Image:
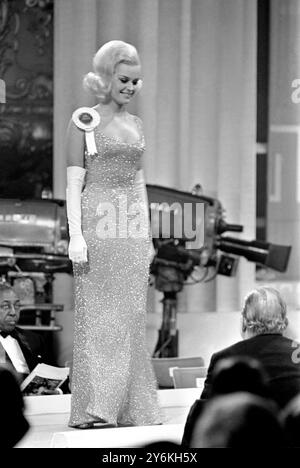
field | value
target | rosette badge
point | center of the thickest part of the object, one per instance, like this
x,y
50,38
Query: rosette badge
x,y
86,118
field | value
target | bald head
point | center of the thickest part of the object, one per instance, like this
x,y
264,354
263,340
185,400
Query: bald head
x,y
9,308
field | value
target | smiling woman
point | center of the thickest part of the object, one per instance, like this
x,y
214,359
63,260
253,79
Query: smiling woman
x,y
124,81
112,381
124,85
106,62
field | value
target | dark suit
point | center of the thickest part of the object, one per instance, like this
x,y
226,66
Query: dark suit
x,y
35,352
32,346
278,355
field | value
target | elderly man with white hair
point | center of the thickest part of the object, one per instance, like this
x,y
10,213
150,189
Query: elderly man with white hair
x,y
264,320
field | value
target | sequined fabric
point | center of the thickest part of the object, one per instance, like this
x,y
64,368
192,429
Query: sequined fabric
x,y
112,377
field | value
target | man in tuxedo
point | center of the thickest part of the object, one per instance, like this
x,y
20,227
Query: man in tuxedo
x,y
20,349
263,323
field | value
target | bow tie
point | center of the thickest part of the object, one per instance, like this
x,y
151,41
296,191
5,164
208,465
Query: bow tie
x,y
5,334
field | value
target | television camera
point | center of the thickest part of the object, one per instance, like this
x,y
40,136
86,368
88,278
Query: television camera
x,y
33,248
176,264
34,241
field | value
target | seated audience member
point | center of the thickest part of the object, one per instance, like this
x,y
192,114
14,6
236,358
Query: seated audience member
x,y
238,420
20,349
263,322
192,419
290,418
239,374
236,374
13,423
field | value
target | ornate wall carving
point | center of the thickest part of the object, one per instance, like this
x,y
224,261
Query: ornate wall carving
x,y
26,66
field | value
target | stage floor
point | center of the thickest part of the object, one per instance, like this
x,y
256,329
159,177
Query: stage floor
x,y
48,417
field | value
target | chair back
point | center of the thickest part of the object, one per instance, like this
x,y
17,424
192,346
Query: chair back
x,y
189,377
163,368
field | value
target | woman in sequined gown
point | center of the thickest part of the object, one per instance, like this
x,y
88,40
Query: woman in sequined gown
x,y
112,378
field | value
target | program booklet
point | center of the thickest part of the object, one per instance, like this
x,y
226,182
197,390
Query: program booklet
x,y
43,375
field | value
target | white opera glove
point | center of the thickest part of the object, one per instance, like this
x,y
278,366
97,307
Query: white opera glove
x,y
142,191
77,245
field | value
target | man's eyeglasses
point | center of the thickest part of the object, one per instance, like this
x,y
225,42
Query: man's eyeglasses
x,y
7,306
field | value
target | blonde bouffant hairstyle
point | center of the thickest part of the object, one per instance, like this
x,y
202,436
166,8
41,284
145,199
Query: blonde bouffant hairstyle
x,y
105,62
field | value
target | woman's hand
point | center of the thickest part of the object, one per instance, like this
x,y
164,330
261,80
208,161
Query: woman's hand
x,y
77,249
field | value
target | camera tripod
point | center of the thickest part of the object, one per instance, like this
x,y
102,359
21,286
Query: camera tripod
x,y
167,344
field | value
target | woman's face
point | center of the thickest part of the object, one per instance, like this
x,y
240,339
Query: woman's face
x,y
125,82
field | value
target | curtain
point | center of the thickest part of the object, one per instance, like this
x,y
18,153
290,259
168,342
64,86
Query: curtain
x,y
198,104
283,222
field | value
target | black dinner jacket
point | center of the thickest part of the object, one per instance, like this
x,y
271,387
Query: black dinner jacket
x,y
32,346
280,357
35,352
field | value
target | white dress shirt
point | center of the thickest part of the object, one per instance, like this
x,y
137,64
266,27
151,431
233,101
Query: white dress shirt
x,y
15,354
